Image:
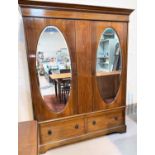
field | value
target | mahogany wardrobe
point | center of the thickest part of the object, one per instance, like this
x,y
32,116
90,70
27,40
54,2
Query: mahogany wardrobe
x,y
77,60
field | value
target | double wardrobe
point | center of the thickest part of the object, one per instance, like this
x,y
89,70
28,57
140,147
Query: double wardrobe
x,y
77,60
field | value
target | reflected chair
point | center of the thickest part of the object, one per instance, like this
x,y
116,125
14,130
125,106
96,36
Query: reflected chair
x,y
64,86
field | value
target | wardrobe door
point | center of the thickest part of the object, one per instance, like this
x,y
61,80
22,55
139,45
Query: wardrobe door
x,y
109,64
84,60
64,31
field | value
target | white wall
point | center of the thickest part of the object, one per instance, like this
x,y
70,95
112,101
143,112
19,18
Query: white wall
x,y
51,43
25,106
24,95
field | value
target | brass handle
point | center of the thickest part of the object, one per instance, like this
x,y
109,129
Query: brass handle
x,y
76,126
94,122
49,132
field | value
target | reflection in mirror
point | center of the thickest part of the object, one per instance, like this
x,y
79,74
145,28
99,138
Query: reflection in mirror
x,y
54,68
108,65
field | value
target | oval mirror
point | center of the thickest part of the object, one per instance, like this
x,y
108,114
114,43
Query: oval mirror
x,y
53,66
108,65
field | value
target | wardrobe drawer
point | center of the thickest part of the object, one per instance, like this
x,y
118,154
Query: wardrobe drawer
x,y
105,120
58,130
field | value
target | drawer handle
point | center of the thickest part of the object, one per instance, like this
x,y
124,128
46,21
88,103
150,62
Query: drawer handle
x,y
116,118
49,132
94,122
76,126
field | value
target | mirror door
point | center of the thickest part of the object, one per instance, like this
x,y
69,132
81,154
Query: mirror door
x,y
108,67
53,65
51,54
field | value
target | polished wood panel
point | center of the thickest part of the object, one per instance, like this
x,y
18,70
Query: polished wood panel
x,y
120,29
59,130
33,28
105,120
83,49
27,138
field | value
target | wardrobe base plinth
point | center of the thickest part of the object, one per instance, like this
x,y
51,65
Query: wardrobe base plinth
x,y
45,147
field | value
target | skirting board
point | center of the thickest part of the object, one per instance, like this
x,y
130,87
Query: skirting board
x,y
131,109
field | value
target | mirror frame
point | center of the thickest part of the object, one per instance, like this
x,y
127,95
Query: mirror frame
x,y
121,54
43,30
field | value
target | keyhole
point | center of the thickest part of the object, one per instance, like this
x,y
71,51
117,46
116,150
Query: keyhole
x,y
49,132
94,122
76,126
116,118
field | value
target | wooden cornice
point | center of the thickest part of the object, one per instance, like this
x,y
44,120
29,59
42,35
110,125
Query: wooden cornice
x,y
73,7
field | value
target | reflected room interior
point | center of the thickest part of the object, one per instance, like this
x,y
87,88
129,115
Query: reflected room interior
x,y
108,65
54,68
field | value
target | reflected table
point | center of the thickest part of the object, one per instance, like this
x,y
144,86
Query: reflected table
x,y
57,78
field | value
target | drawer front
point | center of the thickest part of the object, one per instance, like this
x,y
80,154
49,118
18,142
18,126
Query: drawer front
x,y
58,130
105,120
